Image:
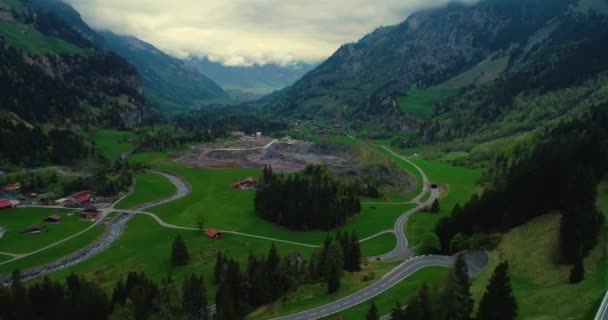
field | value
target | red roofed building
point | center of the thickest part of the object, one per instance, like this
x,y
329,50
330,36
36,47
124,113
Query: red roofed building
x,y
213,234
5,204
82,196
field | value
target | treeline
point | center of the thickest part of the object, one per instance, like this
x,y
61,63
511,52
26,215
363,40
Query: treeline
x,y
109,178
136,298
307,200
560,174
269,278
453,301
168,137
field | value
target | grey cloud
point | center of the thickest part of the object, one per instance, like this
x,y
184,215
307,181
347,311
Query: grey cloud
x,y
243,32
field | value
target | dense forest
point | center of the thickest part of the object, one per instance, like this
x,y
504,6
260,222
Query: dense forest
x,y
266,279
136,298
560,174
308,200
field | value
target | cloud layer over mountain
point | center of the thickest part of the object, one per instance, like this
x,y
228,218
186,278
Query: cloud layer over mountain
x,y
244,32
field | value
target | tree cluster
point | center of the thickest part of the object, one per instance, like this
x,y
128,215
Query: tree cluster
x,y
137,298
560,174
337,254
308,200
264,280
453,300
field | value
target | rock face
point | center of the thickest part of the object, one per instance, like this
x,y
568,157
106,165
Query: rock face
x,y
361,80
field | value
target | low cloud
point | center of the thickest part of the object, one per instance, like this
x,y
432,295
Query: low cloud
x,y
245,32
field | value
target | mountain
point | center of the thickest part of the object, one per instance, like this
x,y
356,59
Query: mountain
x,y
392,78
250,81
169,83
55,84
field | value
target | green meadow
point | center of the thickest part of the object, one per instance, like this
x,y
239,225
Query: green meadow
x,y
399,294
29,39
4,258
113,143
458,186
419,103
540,285
17,219
148,187
146,246
54,252
378,245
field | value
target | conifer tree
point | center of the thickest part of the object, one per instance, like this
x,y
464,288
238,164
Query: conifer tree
x,y
333,279
456,301
179,252
498,302
219,268
194,298
372,314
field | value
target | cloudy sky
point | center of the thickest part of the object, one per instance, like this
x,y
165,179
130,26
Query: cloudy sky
x,y
243,32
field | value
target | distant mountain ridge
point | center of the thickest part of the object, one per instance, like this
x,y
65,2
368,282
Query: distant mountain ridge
x,y
257,78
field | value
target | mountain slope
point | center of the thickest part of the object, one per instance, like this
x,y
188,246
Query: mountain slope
x,y
363,80
55,84
257,78
169,83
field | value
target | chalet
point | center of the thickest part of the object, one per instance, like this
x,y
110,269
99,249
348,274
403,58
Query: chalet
x,y
82,197
12,186
213,233
34,229
5,204
89,213
246,183
53,219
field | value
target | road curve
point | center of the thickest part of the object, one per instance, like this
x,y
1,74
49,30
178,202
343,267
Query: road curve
x,y
111,234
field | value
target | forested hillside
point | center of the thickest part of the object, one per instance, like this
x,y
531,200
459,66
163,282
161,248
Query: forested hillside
x,y
55,84
169,83
363,80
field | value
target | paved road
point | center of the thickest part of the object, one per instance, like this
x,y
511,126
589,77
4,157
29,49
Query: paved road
x,y
111,234
401,250
602,313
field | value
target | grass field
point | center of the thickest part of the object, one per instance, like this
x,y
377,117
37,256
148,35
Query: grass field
x,y
148,187
17,219
4,258
53,253
401,293
313,295
30,40
229,209
419,103
379,245
113,143
540,285
146,246
459,185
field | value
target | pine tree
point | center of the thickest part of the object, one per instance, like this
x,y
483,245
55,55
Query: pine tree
x,y
419,308
498,302
219,268
179,252
435,206
272,262
372,314
456,300
577,273
194,298
333,279
169,306
355,252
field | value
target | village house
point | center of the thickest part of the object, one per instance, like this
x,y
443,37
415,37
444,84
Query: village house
x,y
34,229
81,197
5,204
213,233
246,183
89,213
53,219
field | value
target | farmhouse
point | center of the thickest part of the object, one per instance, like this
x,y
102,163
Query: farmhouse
x,y
53,219
5,204
34,229
81,197
246,183
213,233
